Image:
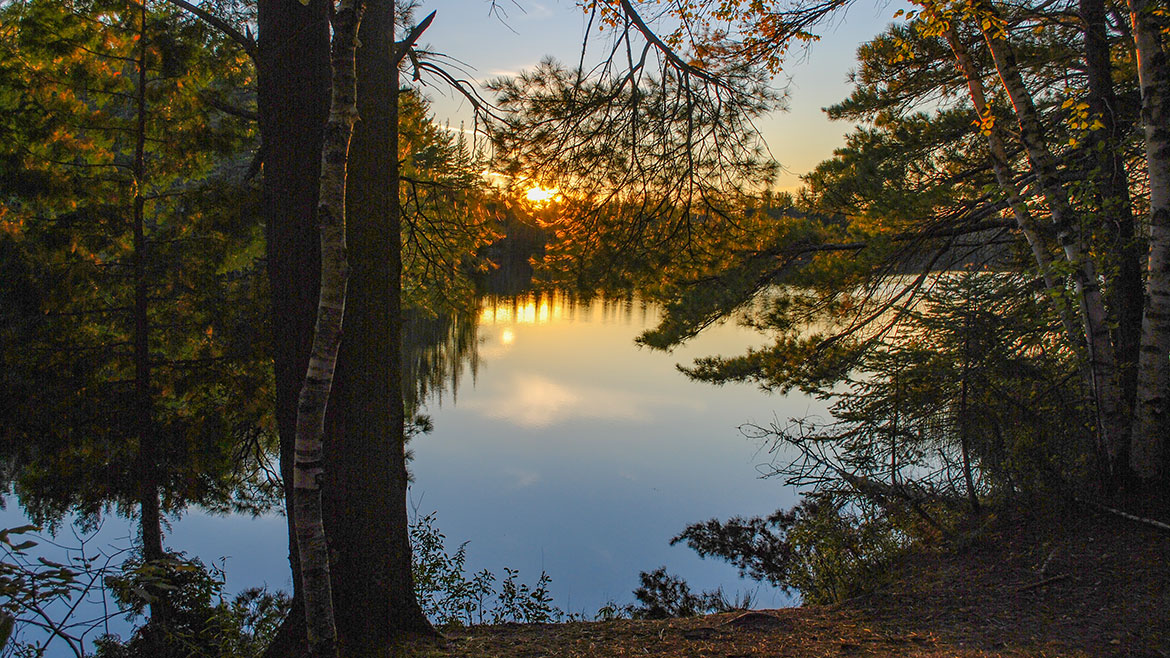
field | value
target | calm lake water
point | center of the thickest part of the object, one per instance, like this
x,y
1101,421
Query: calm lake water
x,y
580,453
559,445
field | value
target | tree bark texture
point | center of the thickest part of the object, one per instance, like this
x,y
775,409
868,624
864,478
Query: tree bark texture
x,y
1147,451
293,99
964,419
365,494
309,462
1111,186
1038,242
1102,361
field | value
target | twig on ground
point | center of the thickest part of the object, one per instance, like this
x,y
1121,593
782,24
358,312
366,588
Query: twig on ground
x,y
1154,523
1042,583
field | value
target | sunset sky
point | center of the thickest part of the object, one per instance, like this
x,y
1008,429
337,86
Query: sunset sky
x,y
489,45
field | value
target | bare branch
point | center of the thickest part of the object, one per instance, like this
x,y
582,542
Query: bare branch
x,y
402,47
245,41
666,50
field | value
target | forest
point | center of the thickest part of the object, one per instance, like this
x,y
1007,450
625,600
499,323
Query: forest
x,y
238,253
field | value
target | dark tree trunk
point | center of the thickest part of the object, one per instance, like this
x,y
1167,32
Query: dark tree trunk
x,y
365,503
964,416
294,77
1116,210
365,488
146,467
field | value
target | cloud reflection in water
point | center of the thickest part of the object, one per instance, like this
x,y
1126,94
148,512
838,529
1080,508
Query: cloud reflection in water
x,y
534,401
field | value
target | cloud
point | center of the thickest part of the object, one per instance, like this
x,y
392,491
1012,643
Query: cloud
x,y
457,129
521,478
537,11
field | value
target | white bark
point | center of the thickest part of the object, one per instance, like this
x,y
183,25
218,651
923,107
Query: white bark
x,y
1146,457
1102,361
314,399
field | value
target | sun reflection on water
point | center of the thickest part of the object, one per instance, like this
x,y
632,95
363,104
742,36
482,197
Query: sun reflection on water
x,y
533,310
555,307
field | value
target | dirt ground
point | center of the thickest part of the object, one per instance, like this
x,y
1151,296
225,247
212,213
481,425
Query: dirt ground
x,y
1072,583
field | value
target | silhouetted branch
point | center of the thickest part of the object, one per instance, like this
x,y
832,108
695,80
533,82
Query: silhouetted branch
x,y
228,108
244,40
401,48
666,50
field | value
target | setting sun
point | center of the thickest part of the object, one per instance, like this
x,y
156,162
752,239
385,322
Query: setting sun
x,y
543,194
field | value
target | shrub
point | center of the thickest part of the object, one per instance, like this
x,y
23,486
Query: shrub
x,y
823,549
449,597
663,596
200,621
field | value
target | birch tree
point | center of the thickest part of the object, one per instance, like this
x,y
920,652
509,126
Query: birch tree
x,y
1148,453
367,507
364,507
308,466
1102,360
293,70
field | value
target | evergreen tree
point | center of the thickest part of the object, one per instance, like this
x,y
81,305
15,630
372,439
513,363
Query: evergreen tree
x,y
133,245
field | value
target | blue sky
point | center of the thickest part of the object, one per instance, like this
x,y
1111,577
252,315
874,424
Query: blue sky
x,y
491,45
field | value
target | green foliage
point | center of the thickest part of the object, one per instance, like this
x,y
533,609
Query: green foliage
x,y
450,598
448,215
7,626
966,398
839,553
977,365
67,88
25,587
201,622
521,603
664,596
821,548
610,611
654,171
45,604
446,595
43,601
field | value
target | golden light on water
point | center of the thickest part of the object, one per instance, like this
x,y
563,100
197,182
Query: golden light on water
x,y
539,195
535,310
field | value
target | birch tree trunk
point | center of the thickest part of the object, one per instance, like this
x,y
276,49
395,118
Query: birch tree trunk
x,y
308,465
1102,361
1147,458
1038,242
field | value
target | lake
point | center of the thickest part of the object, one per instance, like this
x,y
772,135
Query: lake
x,y
580,453
560,445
